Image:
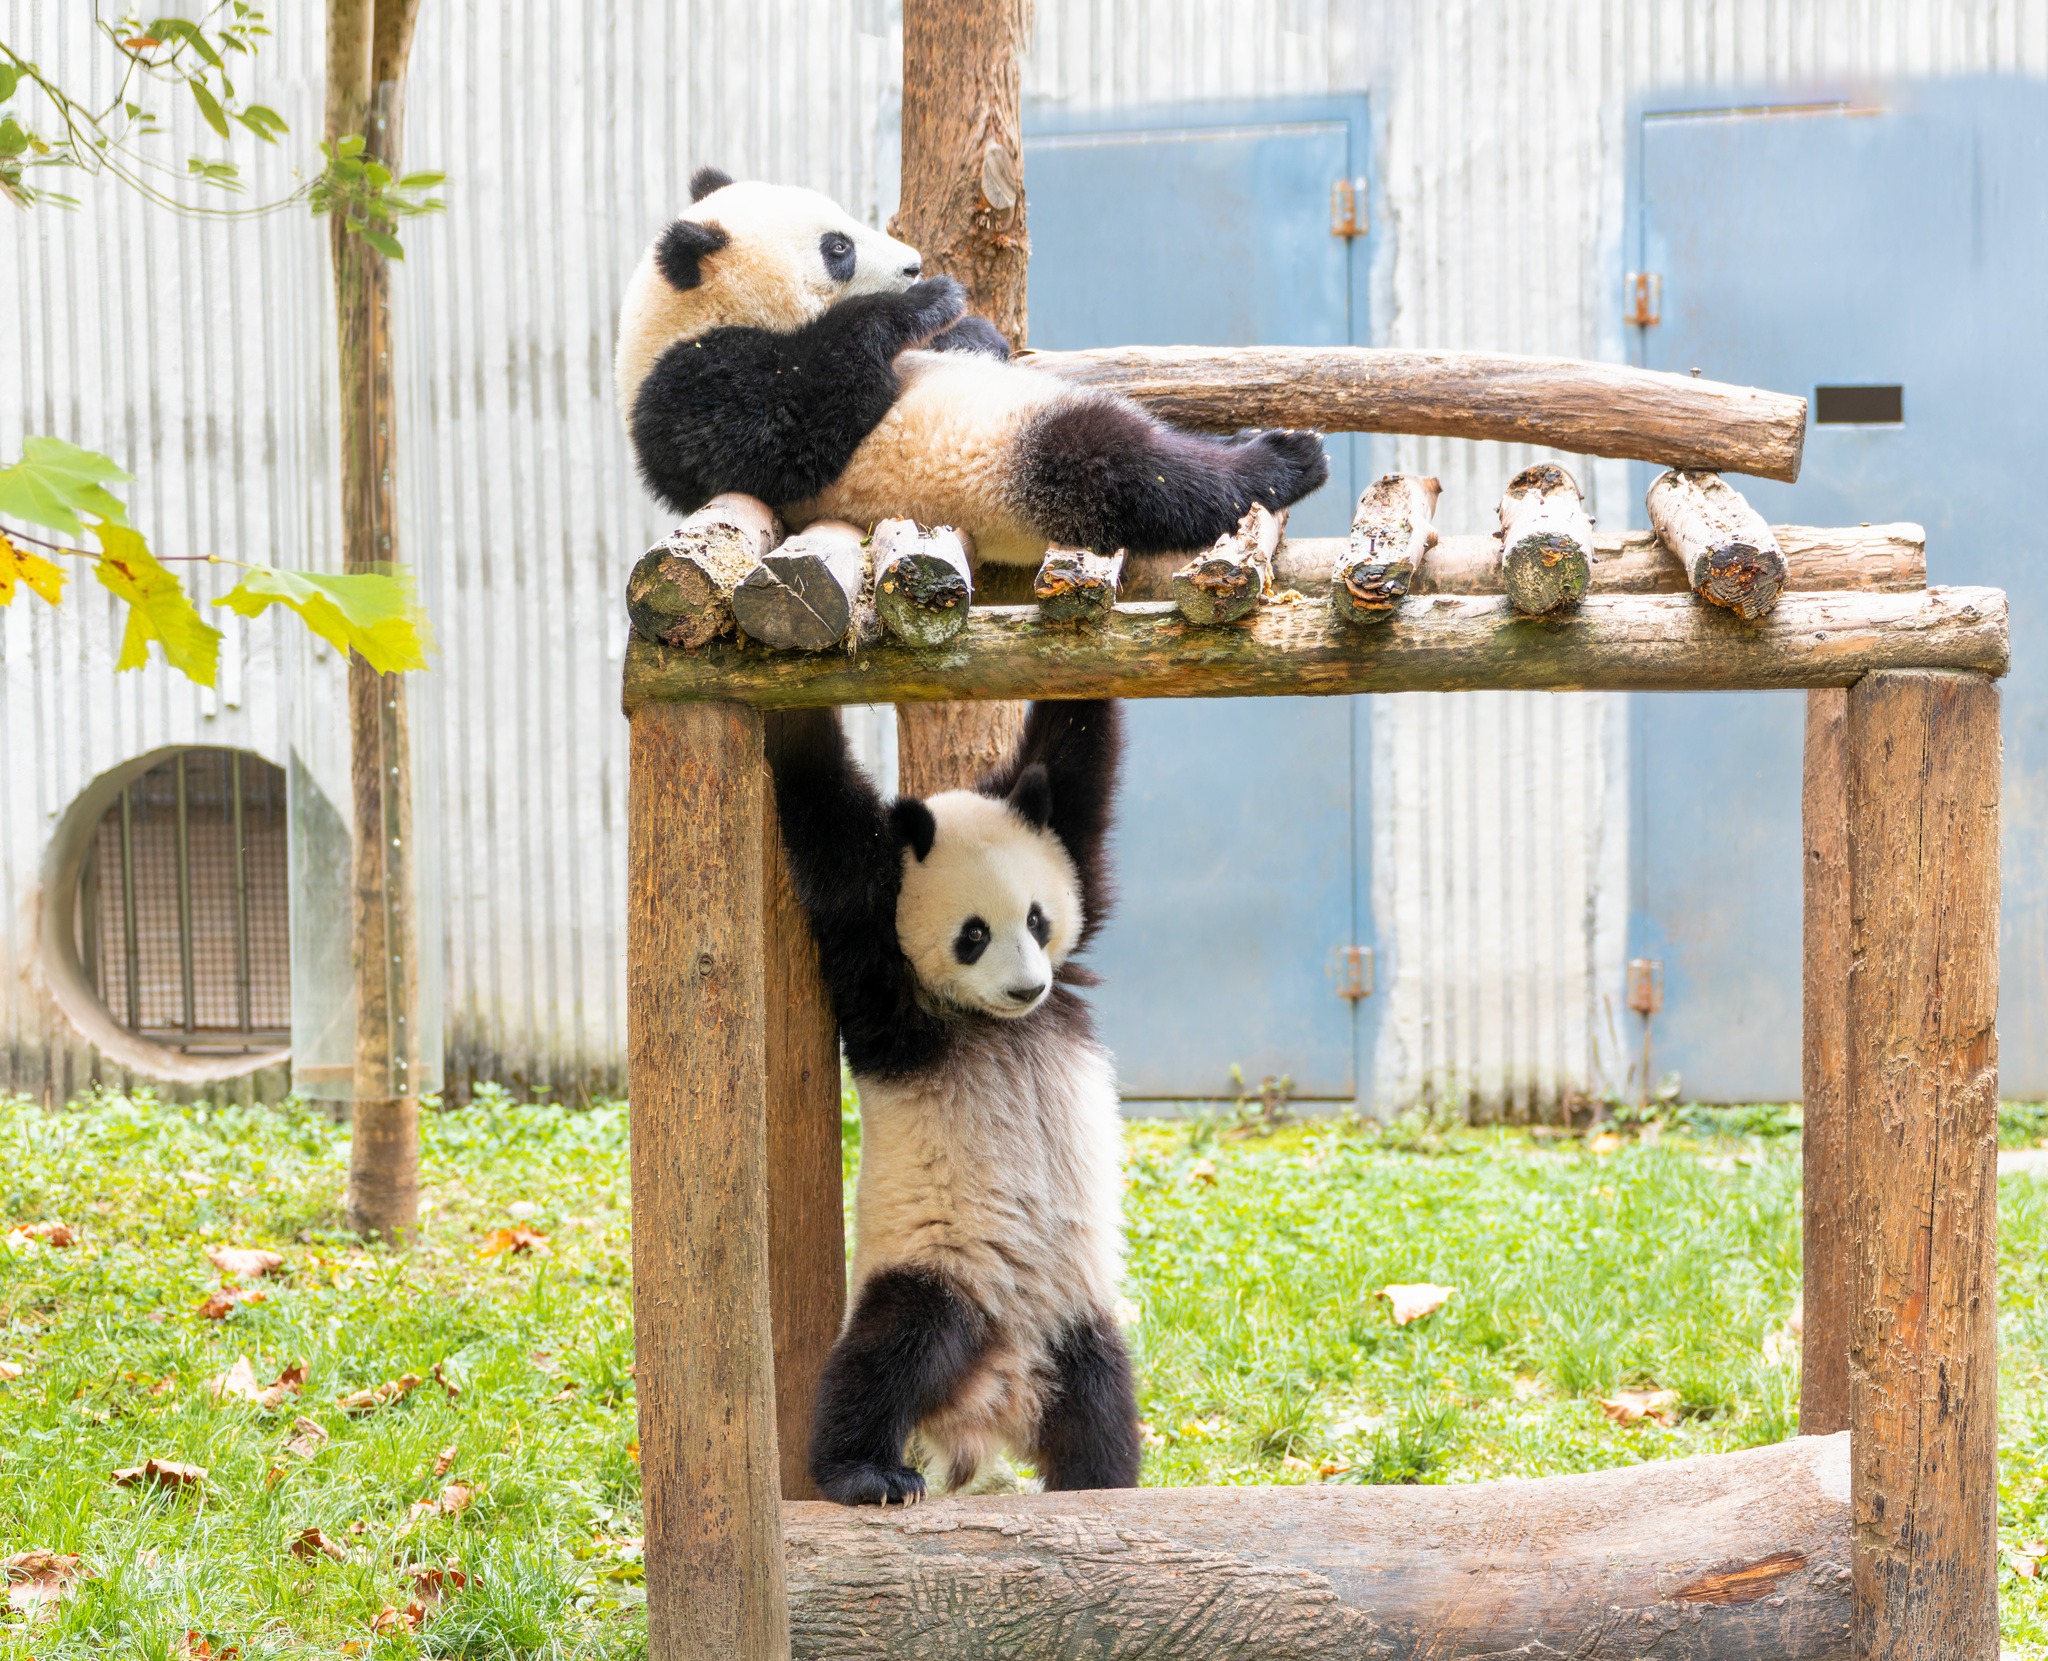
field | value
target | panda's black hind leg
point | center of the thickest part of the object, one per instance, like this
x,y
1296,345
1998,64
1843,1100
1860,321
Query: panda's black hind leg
x,y
1088,1434
911,1339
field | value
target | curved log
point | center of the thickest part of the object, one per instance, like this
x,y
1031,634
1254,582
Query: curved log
x,y
1593,409
1724,1556
1445,643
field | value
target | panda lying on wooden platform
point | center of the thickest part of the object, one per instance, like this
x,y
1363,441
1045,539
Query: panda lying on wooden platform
x,y
988,1228
771,344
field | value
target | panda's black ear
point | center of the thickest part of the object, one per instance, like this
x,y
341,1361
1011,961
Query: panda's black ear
x,y
913,825
1031,796
681,246
707,179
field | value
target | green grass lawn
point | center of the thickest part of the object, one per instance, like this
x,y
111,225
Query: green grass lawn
x,y
1255,1260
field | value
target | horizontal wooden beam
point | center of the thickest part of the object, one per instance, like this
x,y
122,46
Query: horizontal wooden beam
x,y
1594,409
1726,1556
1441,643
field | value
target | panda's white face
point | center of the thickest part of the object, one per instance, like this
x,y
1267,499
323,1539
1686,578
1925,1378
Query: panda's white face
x,y
991,911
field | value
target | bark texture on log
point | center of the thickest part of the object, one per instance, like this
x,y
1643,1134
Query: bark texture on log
x,y
1230,580
1597,409
697,834
681,591
1391,530
1546,547
1074,585
948,745
1923,753
1711,1558
1645,643
1729,554
806,1202
924,585
1828,1288
803,596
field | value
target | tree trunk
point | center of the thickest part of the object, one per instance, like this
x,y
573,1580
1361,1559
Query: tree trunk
x,y
1827,1249
367,46
962,207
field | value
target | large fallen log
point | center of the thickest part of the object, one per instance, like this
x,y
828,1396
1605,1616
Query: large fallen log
x,y
1595,409
1725,1556
1621,642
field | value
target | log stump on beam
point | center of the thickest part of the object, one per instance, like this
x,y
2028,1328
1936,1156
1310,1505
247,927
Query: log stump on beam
x,y
1391,530
1546,548
680,593
1074,585
802,596
1729,554
924,585
1230,580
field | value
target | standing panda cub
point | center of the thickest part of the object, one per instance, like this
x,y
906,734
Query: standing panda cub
x,y
771,344
988,1228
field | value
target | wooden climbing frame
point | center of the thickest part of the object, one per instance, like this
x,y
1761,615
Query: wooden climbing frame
x,y
1880,1542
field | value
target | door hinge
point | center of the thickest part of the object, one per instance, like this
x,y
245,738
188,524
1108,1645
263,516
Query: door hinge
x,y
1349,216
1351,969
1644,292
1646,984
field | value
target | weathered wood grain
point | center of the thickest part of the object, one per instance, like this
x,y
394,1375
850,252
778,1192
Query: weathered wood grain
x,y
1827,1253
1729,554
806,1204
1711,1558
1391,531
680,593
801,597
695,1046
1597,409
1546,549
924,585
1444,643
1923,764
1074,585
1231,578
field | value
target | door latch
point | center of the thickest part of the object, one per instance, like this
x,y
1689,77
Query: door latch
x,y
1349,215
1644,292
1646,984
1351,968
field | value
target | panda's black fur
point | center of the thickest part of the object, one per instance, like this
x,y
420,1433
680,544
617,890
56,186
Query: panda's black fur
x,y
984,1297
796,408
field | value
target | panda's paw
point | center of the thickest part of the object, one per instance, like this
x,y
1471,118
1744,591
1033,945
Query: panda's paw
x,y
872,1485
931,305
972,334
1281,466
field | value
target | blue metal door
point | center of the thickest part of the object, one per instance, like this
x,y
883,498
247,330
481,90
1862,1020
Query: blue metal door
x,y
1241,853
1891,249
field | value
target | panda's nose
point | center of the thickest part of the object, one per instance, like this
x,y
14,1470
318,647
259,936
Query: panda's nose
x,y
1021,995
913,268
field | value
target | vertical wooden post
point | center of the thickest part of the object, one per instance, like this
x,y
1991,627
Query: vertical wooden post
x,y
695,1038
806,1201
1828,1294
1923,752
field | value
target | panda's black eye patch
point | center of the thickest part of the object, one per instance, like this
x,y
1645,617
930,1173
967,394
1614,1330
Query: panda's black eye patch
x,y
839,256
1041,929
971,941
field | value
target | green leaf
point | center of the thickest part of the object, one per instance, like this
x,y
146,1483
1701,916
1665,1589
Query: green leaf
x,y
209,107
54,482
177,28
352,144
421,181
255,127
10,78
383,241
158,608
373,613
12,139
268,116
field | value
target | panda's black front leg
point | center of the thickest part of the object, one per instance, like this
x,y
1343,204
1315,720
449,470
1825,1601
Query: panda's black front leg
x,y
911,1340
1088,1434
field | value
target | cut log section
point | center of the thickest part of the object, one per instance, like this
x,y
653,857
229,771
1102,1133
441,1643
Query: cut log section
x,y
923,583
1616,643
1390,531
680,594
1729,554
1075,585
1589,409
1230,580
1717,1557
1546,550
801,597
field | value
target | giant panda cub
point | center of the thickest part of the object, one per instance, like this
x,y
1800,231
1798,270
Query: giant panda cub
x,y
771,344
987,1221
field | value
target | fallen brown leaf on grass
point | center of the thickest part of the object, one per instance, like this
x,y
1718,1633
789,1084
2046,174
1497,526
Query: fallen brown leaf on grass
x,y
245,1262
389,1620
455,1499
444,1461
378,1395
430,1583
1332,1467
1631,1406
1294,1462
1605,1142
50,1234
441,1378
517,1238
163,1473
309,1543
198,1647
1414,1300
238,1383
221,1304
1203,1170
38,1580
633,1450
307,1439
9,1369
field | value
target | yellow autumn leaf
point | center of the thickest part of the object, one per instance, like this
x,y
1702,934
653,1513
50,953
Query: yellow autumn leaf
x,y
158,607
18,565
370,612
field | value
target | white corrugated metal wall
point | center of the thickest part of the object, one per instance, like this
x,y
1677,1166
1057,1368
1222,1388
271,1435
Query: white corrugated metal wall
x,y
569,130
